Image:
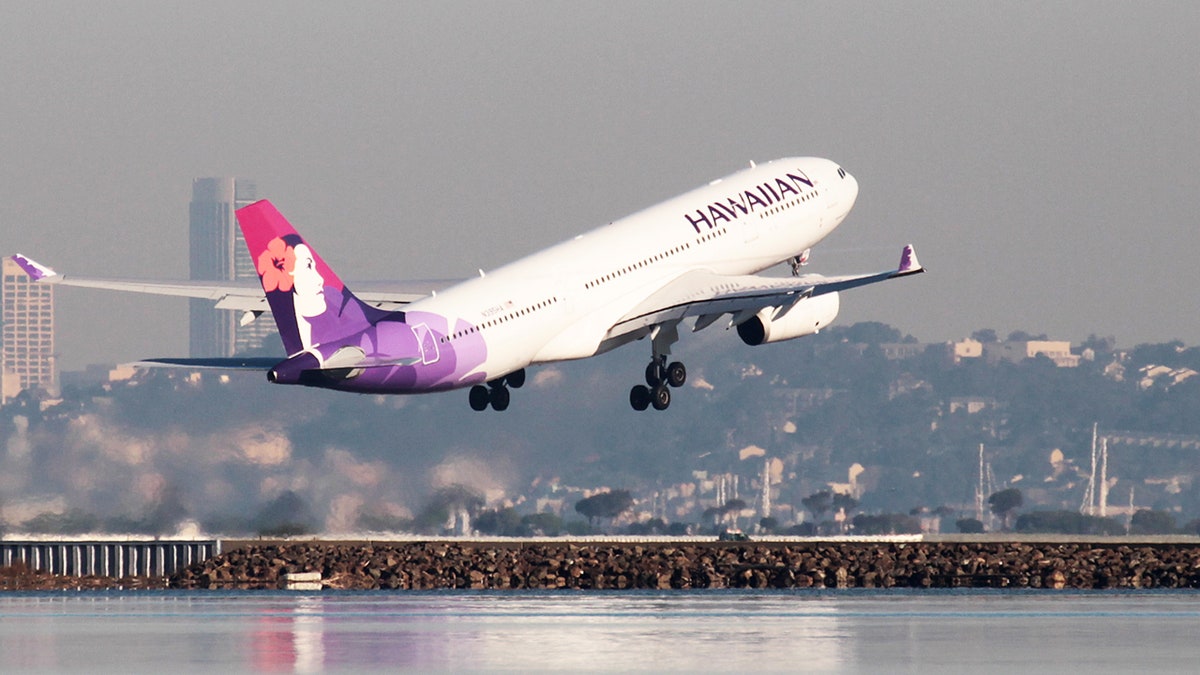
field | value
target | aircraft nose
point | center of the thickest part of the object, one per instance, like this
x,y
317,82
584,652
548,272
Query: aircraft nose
x,y
845,194
851,188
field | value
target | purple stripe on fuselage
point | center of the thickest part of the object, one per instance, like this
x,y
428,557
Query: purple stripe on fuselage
x,y
416,337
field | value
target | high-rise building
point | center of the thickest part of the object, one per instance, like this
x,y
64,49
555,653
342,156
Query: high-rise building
x,y
218,253
27,356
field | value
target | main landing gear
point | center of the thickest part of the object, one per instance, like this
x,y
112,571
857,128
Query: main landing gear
x,y
495,394
660,377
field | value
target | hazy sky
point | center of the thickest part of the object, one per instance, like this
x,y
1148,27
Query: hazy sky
x,y
1042,157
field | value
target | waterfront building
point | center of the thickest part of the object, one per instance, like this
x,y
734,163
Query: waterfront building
x,y
27,356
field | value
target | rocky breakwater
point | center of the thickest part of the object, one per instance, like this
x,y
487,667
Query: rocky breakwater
x,y
444,565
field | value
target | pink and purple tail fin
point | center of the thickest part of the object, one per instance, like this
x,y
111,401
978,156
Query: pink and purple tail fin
x,y
310,303
262,224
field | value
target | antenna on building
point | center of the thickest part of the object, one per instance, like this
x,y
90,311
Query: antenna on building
x,y
1129,516
1103,476
766,488
979,488
1088,507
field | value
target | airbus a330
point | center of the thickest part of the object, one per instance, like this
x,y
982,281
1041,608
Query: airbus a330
x,y
692,260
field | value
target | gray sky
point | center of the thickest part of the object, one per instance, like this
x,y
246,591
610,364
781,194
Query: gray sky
x,y
1042,157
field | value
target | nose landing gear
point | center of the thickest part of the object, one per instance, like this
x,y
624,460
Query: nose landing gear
x,y
799,261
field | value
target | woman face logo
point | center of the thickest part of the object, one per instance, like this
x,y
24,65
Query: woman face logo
x,y
307,284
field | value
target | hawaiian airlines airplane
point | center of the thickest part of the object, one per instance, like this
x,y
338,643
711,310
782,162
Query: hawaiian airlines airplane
x,y
693,258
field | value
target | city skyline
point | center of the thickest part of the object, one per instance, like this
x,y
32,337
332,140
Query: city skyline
x,y
1041,158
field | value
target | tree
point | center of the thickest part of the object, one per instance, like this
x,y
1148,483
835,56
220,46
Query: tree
x,y
445,502
503,522
802,530
1005,502
1022,336
714,513
652,526
167,512
1146,521
818,503
969,525
544,524
286,515
887,523
844,503
1100,345
871,332
73,521
1066,522
733,506
985,335
604,505
375,520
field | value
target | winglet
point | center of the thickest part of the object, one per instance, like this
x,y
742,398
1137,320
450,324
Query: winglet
x,y
33,268
908,261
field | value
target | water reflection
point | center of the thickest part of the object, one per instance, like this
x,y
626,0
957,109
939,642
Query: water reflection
x,y
281,632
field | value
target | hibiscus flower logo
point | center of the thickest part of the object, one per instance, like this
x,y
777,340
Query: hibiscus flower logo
x,y
276,265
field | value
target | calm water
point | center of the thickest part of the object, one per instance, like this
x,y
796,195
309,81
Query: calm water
x,y
678,631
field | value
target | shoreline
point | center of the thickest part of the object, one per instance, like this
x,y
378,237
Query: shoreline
x,y
478,565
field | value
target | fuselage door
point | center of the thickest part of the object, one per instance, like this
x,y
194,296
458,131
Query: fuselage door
x,y
428,343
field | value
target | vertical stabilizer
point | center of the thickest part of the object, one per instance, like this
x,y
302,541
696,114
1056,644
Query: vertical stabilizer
x,y
310,303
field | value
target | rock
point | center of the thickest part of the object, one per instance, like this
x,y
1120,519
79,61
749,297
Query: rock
x,y
1056,580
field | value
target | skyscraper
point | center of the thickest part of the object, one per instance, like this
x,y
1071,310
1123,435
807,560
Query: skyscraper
x,y
218,252
27,357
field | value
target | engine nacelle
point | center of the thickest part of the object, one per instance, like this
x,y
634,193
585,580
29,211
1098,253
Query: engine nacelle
x,y
807,317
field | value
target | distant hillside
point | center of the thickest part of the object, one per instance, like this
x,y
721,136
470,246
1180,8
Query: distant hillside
x,y
168,446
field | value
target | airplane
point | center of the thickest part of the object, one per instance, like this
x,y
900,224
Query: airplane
x,y
693,258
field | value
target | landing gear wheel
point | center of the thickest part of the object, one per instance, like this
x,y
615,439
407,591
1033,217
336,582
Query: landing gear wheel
x,y
676,374
479,397
655,374
639,397
515,379
499,398
661,397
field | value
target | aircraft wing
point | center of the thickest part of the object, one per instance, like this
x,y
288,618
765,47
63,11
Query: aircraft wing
x,y
245,296
709,296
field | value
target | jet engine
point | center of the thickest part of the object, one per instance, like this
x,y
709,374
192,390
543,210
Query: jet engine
x,y
805,318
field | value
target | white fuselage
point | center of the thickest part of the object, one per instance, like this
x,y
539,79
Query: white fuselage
x,y
560,303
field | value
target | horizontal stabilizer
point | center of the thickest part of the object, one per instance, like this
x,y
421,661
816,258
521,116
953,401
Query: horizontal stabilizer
x,y
240,296
368,362
233,363
264,363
